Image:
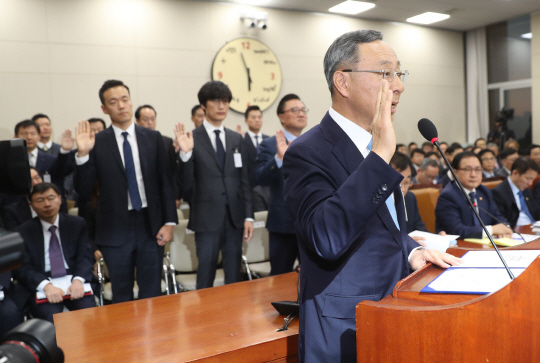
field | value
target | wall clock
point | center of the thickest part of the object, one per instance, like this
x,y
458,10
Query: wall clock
x,y
252,72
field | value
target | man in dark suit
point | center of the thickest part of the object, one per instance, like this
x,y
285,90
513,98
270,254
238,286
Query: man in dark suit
x,y
292,114
508,156
215,174
56,245
453,213
20,211
145,116
136,213
252,139
45,142
514,198
345,200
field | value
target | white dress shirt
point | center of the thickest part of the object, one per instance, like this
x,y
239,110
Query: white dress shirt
x,y
523,218
252,136
361,138
48,144
47,242
32,157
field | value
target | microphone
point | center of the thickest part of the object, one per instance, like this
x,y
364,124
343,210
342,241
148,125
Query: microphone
x,y
429,132
503,222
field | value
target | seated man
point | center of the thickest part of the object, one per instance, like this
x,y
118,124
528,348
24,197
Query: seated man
x,y
514,198
488,162
508,156
56,245
453,213
427,172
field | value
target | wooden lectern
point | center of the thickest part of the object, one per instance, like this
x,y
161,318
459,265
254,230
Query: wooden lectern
x,y
409,326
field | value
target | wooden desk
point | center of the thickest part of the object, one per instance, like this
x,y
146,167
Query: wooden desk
x,y
222,324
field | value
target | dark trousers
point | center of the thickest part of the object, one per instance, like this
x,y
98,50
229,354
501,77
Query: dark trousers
x,y
228,239
141,251
45,311
10,315
283,252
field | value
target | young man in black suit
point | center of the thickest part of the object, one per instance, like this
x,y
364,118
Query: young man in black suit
x,y
56,245
252,139
136,213
514,198
215,174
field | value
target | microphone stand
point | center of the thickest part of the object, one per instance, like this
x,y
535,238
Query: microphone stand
x,y
435,141
500,221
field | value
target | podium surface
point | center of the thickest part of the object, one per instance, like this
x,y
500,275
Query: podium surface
x,y
410,326
232,323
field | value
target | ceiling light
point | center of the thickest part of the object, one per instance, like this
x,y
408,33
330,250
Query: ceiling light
x,y
351,7
527,35
428,18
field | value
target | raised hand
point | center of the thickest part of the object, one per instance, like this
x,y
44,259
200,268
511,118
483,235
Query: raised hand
x,y
85,138
384,137
282,144
239,130
183,139
67,140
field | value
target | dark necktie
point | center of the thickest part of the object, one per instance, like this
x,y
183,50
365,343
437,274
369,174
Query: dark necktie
x,y
133,187
220,150
257,141
55,255
524,207
472,195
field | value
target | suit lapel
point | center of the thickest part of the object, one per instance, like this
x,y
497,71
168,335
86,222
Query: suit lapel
x,y
64,236
142,144
110,141
204,140
39,242
230,149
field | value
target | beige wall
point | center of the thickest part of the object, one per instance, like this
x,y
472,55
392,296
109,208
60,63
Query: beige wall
x,y
535,72
57,53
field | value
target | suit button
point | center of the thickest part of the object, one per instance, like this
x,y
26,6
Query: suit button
x,y
384,187
380,191
375,200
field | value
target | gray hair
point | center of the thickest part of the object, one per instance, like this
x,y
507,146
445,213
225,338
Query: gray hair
x,y
428,162
344,52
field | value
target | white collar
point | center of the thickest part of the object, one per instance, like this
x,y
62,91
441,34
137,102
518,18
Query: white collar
x,y
357,134
252,134
130,130
48,144
34,153
514,188
211,128
47,225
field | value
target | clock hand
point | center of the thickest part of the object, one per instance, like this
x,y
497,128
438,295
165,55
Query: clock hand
x,y
248,74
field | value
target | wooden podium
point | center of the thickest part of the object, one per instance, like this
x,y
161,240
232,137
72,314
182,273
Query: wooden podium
x,y
409,326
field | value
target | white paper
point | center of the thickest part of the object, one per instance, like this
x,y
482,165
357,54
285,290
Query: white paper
x,y
435,241
528,237
473,280
63,283
514,258
237,160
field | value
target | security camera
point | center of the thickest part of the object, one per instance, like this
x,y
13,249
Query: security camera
x,y
262,25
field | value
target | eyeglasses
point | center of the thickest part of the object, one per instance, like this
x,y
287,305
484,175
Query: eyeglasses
x,y
388,73
297,110
470,170
220,101
488,159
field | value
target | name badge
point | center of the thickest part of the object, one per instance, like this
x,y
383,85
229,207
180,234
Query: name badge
x,y
237,159
47,177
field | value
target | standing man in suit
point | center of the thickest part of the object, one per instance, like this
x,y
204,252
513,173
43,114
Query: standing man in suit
x,y
345,200
197,115
514,198
508,156
453,213
136,213
56,245
252,139
215,173
45,142
292,114
145,116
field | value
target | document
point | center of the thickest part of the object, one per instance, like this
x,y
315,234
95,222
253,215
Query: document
x,y
506,242
63,283
481,272
435,241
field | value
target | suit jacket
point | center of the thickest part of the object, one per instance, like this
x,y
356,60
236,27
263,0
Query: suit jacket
x,y
211,188
267,173
54,150
57,167
350,248
75,246
454,215
414,221
17,213
105,165
502,172
173,163
504,198
251,151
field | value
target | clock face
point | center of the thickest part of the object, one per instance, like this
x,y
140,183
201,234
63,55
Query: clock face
x,y
252,72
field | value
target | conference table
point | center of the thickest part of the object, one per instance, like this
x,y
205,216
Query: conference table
x,y
231,323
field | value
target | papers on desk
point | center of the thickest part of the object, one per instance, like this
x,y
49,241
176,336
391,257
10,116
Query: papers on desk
x,y
506,242
63,283
481,272
435,241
